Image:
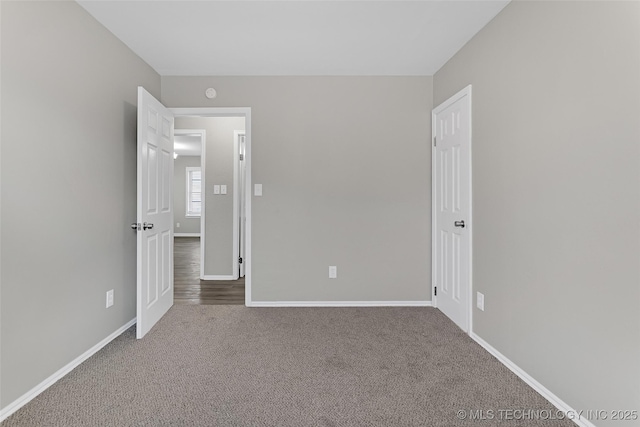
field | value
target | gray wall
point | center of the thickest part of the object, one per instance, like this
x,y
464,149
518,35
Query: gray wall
x,y
190,224
218,250
556,140
69,142
345,165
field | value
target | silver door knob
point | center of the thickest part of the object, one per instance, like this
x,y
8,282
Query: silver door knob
x,y
135,226
459,224
147,226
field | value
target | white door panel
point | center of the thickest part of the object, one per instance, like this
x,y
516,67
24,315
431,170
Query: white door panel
x,y
452,207
155,212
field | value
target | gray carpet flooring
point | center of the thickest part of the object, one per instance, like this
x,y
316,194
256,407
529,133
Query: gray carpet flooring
x,y
238,366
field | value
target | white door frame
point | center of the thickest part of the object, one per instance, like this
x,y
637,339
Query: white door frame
x,y
202,133
236,202
230,112
469,224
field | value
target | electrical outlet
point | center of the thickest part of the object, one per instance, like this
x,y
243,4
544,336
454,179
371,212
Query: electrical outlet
x,y
333,272
480,301
109,298
177,225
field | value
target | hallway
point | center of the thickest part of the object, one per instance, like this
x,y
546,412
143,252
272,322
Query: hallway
x,y
189,289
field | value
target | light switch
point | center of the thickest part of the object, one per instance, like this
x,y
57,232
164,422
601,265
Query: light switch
x,y
333,272
223,189
257,190
480,301
216,189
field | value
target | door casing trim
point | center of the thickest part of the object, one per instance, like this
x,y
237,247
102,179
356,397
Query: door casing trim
x,y
236,203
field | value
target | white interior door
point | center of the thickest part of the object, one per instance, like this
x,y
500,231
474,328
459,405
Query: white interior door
x,y
155,211
242,210
452,207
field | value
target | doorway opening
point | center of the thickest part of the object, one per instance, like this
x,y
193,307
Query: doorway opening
x,y
154,224
220,251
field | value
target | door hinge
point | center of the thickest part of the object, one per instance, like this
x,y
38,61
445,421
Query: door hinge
x,y
435,291
240,260
434,142
241,157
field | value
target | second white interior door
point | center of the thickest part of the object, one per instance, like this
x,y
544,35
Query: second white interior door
x,y
452,207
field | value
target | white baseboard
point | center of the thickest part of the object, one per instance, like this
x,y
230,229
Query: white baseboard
x,y
218,277
571,413
186,234
31,394
339,304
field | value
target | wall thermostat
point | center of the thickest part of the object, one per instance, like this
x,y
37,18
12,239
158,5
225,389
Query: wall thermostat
x,y
210,93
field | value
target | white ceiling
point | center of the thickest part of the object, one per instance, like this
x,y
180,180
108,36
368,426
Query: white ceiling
x,y
187,145
294,37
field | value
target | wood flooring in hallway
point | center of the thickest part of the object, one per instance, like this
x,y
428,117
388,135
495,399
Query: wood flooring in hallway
x,y
189,289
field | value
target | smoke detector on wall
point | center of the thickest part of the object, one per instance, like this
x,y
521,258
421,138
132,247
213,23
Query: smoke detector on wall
x,y
210,93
